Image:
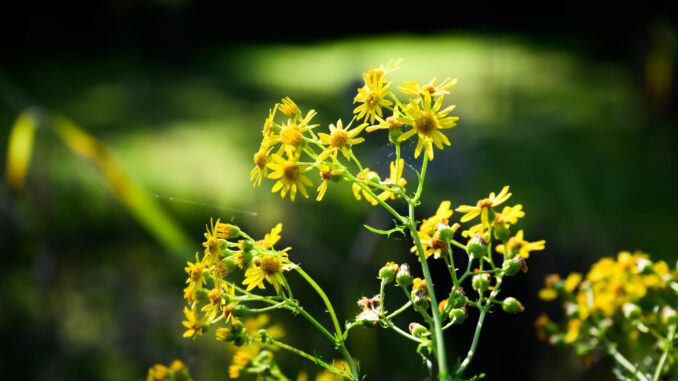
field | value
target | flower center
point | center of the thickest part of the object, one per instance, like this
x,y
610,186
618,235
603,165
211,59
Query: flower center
x,y
338,139
215,296
392,122
260,159
484,203
426,123
429,89
326,175
372,100
196,272
291,135
291,171
270,265
437,244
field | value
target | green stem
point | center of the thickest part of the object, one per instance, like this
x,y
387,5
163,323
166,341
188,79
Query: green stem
x,y
381,202
458,244
269,308
667,348
621,360
451,266
422,175
338,336
382,296
405,334
479,327
305,355
438,339
324,297
399,310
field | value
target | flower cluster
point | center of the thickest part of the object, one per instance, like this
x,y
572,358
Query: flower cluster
x,y
292,146
626,305
228,280
176,371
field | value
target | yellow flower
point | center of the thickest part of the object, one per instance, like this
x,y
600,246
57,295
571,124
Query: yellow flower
x,y
549,292
365,174
572,281
373,94
328,173
573,328
516,245
287,106
428,225
432,245
270,239
390,123
194,325
268,123
509,215
395,179
340,139
259,171
240,360
157,372
214,239
428,90
268,267
196,278
291,134
427,123
483,206
289,175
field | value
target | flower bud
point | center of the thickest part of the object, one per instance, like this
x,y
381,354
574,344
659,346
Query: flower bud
x,y
631,311
446,232
476,246
394,133
388,272
419,299
480,282
457,298
668,315
418,330
572,310
513,265
404,278
226,231
644,266
457,315
223,334
511,305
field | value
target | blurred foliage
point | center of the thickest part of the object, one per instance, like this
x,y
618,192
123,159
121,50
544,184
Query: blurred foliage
x,y
87,293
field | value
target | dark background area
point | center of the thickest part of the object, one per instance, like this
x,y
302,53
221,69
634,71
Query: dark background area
x,y
579,117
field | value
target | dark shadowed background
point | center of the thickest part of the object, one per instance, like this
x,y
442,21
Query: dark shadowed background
x,y
579,118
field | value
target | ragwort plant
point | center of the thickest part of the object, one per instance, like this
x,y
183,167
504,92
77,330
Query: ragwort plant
x,y
294,149
624,308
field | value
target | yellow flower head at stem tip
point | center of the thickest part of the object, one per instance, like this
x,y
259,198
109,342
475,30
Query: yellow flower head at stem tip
x,y
482,207
373,94
395,179
194,325
268,267
367,175
516,245
340,139
428,123
428,90
289,175
328,173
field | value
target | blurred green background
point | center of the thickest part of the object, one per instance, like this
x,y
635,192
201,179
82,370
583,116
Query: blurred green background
x,y
580,120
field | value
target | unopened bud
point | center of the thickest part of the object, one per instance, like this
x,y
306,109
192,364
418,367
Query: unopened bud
x,y
457,315
668,315
418,330
511,305
419,299
404,278
481,282
388,272
476,247
631,311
